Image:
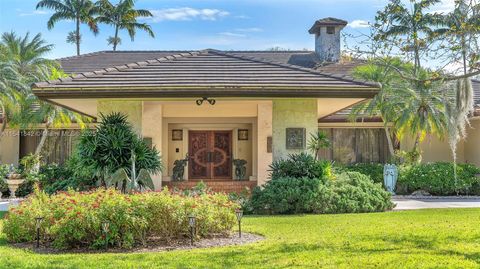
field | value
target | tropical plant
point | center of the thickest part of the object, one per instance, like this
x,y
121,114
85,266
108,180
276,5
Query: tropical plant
x,y
111,146
317,142
384,104
122,16
414,22
79,11
302,165
25,58
121,180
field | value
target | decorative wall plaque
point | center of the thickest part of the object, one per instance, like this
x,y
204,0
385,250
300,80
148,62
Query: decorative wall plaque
x,y
295,138
242,134
269,144
177,135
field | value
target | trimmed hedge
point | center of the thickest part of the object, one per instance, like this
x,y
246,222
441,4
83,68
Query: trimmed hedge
x,y
74,219
439,179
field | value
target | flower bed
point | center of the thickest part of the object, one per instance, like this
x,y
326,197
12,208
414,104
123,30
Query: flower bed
x,y
73,219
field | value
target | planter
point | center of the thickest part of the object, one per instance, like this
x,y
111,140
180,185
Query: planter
x,y
13,182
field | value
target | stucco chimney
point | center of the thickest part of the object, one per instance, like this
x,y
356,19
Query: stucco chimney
x,y
327,38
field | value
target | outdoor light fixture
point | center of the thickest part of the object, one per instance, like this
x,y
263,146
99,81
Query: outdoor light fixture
x,y
38,222
106,229
191,223
210,101
239,214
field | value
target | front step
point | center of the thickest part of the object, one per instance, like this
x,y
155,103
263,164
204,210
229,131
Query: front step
x,y
229,186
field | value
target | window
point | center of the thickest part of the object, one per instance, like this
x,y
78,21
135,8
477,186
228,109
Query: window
x,y
356,145
330,30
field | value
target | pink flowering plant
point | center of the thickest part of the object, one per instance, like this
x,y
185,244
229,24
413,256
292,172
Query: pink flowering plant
x,y
74,219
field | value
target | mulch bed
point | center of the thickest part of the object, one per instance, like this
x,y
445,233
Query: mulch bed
x,y
154,245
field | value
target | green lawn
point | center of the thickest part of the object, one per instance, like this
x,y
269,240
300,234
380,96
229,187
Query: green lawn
x,y
447,238
2,213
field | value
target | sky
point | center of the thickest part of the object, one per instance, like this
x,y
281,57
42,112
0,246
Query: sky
x,y
195,24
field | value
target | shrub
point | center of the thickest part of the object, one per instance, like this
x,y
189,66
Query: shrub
x,y
286,196
373,170
3,183
353,192
301,165
350,192
439,179
74,219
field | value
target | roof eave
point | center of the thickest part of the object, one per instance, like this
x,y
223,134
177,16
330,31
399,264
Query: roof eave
x,y
52,93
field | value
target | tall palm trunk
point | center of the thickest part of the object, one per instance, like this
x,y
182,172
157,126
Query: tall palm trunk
x,y
4,120
77,35
40,145
391,149
115,41
417,143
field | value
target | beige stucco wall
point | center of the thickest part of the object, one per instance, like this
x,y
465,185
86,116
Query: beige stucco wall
x,y
472,143
292,113
434,150
133,110
152,117
10,147
264,130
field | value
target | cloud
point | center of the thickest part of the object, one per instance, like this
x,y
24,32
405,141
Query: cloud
x,y
359,24
249,30
33,13
232,34
187,14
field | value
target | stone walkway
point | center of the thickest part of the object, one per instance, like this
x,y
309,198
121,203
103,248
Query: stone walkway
x,y
412,203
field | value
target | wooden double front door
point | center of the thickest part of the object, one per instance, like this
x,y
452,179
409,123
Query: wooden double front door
x,y
210,155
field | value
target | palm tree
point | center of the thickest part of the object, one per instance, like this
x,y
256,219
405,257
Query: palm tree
x,y
24,58
404,106
385,103
122,16
461,25
80,11
414,23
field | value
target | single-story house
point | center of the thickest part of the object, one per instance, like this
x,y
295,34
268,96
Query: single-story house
x,y
216,106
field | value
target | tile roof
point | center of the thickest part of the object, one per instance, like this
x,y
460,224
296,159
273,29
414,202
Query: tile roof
x,y
207,72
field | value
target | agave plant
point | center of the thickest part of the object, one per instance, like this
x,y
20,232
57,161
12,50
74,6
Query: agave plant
x,y
120,179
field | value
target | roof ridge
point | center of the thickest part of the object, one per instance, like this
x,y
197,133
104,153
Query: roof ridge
x,y
295,67
82,55
115,68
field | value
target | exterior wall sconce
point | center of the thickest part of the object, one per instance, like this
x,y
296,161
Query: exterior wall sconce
x,y
199,102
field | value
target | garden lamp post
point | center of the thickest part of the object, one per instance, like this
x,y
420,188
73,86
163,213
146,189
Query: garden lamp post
x,y
106,228
239,214
191,223
38,222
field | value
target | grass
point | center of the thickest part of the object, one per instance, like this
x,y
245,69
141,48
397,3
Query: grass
x,y
2,213
442,238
